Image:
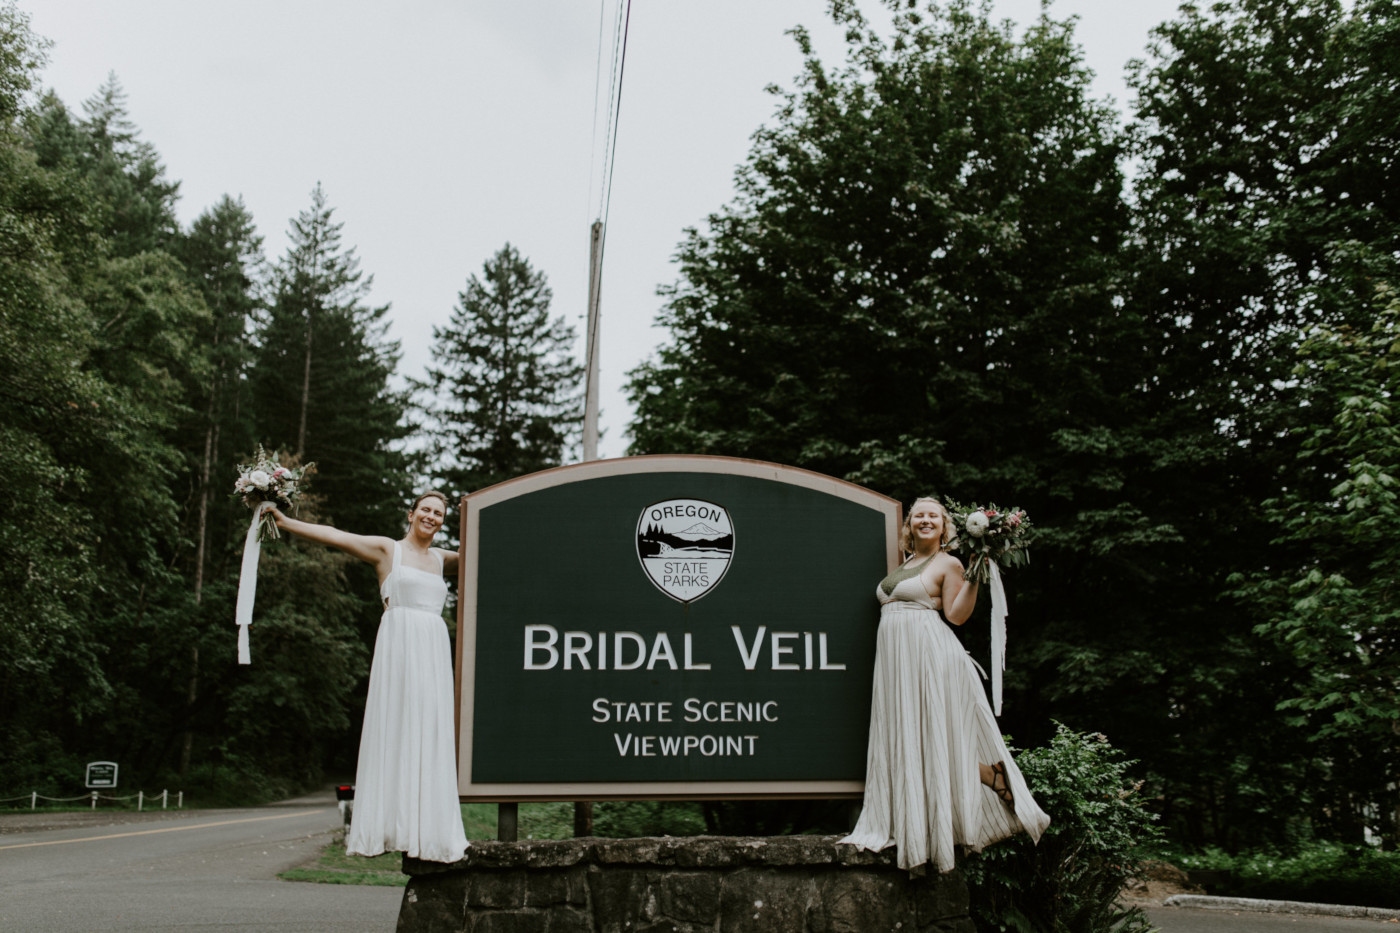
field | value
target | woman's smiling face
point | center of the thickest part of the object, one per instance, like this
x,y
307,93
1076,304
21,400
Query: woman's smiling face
x,y
428,515
927,522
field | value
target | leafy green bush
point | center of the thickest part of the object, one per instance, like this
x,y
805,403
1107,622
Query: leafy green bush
x,y
1318,872
1070,882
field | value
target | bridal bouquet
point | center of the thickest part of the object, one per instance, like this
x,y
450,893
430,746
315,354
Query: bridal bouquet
x,y
989,538
266,480
982,534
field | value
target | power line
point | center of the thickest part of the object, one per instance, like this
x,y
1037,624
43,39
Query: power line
x,y
617,117
597,87
598,232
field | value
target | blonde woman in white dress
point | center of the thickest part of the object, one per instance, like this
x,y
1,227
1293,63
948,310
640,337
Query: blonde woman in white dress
x,y
938,774
406,780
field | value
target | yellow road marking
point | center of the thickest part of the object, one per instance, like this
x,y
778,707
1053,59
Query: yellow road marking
x,y
168,829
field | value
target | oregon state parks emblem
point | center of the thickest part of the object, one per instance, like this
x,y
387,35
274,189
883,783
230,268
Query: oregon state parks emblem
x,y
685,546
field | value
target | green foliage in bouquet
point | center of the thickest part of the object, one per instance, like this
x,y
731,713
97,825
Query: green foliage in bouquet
x,y
983,533
266,479
1071,880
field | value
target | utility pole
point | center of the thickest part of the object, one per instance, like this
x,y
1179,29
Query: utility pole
x,y
590,398
583,809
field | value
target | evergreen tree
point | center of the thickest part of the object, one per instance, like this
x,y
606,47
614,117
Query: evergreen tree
x,y
222,253
125,172
100,351
320,387
50,409
122,380
505,379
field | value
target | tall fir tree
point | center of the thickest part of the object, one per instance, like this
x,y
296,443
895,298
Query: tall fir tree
x,y
505,380
321,385
137,200
222,255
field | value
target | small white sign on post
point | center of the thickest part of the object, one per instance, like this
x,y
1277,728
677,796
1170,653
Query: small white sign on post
x,y
101,774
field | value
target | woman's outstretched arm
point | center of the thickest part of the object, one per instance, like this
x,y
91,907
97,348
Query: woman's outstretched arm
x,y
372,549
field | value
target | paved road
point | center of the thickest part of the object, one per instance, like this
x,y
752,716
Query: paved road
x,y
1194,920
210,870
216,870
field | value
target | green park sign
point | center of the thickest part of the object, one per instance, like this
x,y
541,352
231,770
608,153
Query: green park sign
x,y
668,626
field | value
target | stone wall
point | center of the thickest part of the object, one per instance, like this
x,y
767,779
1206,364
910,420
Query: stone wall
x,y
802,884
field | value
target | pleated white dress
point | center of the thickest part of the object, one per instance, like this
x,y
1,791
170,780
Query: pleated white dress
x,y
930,728
406,780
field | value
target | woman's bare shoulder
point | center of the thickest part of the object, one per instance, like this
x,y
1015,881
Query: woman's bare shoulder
x,y
946,561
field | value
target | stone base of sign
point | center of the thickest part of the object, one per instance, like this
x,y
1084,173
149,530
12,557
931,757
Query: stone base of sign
x,y
794,884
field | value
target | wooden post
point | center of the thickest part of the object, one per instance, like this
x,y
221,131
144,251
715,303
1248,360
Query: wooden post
x,y
507,821
583,818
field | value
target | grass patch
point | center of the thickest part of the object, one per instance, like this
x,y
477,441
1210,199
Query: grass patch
x,y
394,879
537,821
334,866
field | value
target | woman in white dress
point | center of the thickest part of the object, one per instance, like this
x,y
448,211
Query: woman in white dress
x,y
938,774
406,780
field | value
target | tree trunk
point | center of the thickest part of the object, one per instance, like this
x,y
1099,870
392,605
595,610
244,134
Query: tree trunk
x,y
201,535
305,390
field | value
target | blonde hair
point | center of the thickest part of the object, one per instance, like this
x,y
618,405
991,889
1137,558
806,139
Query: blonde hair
x,y
906,534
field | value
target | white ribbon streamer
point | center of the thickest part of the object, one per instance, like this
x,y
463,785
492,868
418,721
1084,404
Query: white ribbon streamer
x,y
998,634
248,583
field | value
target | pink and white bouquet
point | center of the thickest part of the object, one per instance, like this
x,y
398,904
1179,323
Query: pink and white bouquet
x,y
985,533
989,538
267,480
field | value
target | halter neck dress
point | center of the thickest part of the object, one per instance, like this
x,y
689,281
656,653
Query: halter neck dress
x,y
406,779
930,728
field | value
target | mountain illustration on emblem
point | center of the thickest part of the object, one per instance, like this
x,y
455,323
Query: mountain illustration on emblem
x,y
699,540
685,546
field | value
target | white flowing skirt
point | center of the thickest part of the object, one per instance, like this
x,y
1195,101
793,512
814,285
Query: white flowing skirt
x,y
930,728
406,780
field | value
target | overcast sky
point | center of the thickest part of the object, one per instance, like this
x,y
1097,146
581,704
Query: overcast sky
x,y
441,130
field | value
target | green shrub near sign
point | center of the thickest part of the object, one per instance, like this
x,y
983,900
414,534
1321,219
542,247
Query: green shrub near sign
x,y
1070,882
